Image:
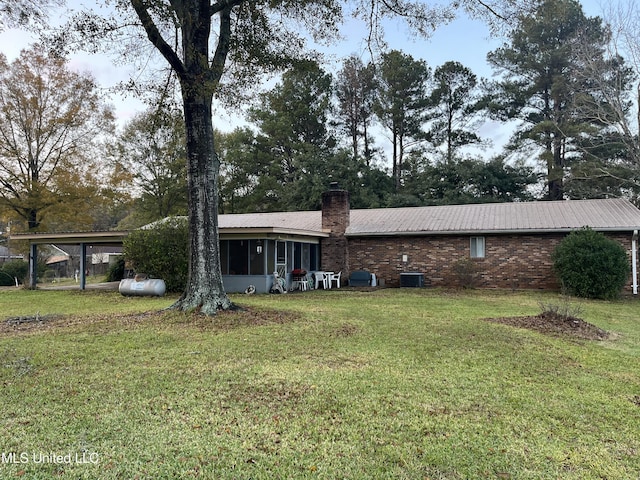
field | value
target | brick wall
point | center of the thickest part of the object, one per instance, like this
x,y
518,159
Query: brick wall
x,y
511,261
334,251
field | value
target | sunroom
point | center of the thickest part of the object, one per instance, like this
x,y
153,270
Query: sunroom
x,y
249,261
255,245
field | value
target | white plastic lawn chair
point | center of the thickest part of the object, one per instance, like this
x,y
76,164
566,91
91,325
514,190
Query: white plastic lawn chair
x,y
335,277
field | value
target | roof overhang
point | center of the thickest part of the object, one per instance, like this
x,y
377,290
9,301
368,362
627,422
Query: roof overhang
x,y
117,237
271,232
72,237
483,232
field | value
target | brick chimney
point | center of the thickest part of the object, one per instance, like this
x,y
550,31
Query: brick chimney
x,y
335,220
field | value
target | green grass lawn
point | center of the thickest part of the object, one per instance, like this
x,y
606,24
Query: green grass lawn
x,y
395,383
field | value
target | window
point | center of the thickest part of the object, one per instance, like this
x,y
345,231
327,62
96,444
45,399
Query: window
x,y
238,257
256,257
281,254
290,256
224,256
251,256
297,255
314,257
271,256
477,247
306,256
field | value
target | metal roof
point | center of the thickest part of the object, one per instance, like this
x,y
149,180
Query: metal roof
x,y
72,237
281,222
516,217
293,223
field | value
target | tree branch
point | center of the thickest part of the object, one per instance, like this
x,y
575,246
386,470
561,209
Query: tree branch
x,y
222,50
156,38
221,5
491,10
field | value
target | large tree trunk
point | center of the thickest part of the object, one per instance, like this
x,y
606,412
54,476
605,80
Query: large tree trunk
x,y
32,219
205,291
367,149
396,169
556,174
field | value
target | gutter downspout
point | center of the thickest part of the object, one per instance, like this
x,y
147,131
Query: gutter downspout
x,y
634,257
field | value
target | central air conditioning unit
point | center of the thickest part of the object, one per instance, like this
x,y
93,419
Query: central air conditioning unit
x,y
413,279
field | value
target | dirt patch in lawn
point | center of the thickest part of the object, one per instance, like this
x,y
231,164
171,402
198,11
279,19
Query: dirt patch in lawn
x,y
558,325
27,322
547,323
222,321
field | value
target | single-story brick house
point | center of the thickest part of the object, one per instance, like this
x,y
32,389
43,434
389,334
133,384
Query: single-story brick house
x,y
508,245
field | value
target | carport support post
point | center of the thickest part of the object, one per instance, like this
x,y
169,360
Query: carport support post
x,y
83,266
33,266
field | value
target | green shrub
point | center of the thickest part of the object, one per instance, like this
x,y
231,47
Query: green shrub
x,y
590,265
116,271
6,280
13,269
161,251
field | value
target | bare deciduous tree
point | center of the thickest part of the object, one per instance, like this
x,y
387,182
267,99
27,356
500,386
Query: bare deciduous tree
x,y
611,155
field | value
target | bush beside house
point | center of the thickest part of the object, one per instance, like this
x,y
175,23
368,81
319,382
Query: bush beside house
x,y
160,251
116,271
590,265
11,270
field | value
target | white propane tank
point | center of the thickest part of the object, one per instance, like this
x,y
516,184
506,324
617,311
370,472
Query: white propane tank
x,y
149,287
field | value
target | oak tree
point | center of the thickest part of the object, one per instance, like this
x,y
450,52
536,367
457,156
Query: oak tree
x,y
52,123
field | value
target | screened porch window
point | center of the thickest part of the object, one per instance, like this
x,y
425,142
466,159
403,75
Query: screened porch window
x,y
256,257
263,256
238,257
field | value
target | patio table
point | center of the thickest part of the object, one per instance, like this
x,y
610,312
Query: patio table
x,y
324,277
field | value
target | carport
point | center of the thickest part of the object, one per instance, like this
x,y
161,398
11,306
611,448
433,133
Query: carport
x,y
84,239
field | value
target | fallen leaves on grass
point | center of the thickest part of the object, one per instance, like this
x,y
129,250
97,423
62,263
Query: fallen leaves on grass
x,y
223,320
558,325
